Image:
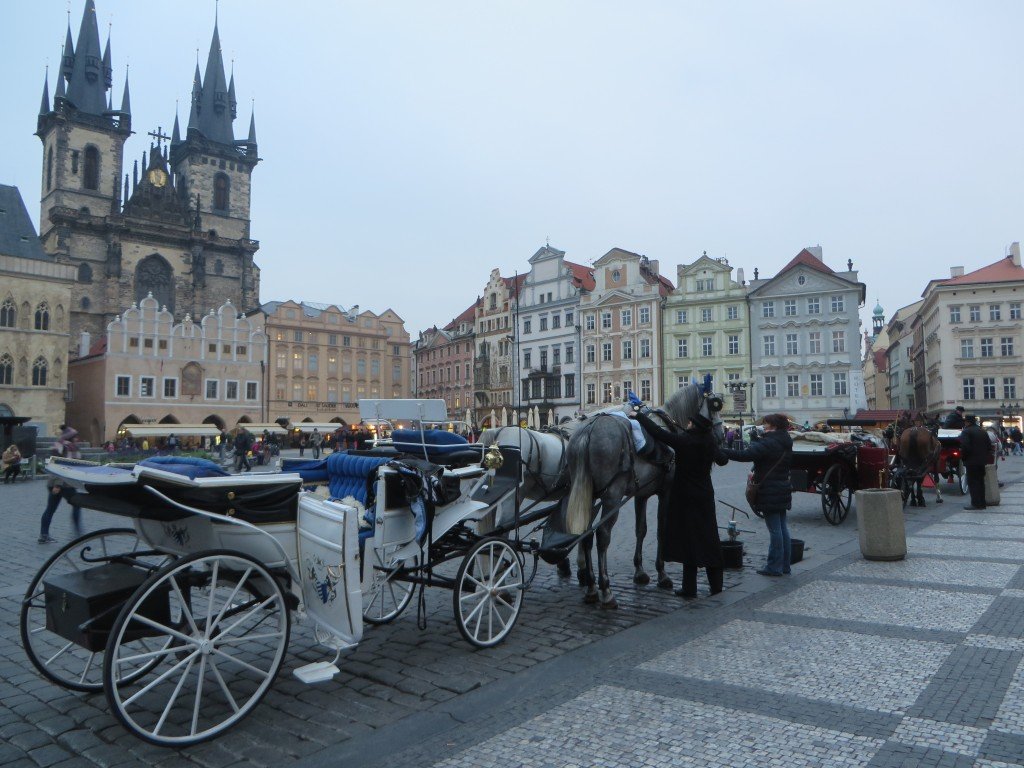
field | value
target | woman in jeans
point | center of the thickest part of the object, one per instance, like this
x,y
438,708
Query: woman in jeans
x,y
772,456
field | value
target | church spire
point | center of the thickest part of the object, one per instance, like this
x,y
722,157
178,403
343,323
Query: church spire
x,y
67,59
176,132
108,68
215,108
197,95
252,127
88,84
44,107
126,102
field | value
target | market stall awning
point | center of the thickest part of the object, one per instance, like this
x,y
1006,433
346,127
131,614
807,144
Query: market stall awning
x,y
319,426
166,430
258,429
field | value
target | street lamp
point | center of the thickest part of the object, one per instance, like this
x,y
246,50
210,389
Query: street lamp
x,y
1009,411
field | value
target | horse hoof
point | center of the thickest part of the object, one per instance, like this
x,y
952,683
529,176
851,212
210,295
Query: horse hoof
x,y
938,501
590,598
610,605
664,583
581,578
641,578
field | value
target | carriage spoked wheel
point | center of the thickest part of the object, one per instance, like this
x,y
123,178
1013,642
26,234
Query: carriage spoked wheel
x,y
387,596
835,495
223,625
961,479
65,662
488,593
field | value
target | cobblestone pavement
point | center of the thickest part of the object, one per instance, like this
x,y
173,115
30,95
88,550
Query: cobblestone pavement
x,y
847,663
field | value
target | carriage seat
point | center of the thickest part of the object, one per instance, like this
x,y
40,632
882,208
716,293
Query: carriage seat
x,y
188,466
441,446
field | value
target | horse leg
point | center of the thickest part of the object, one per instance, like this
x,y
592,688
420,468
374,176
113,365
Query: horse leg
x,y
938,490
582,563
586,571
604,584
920,492
564,569
664,582
640,508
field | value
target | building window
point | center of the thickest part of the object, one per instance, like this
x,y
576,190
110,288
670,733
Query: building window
x,y
814,306
627,349
1010,387
91,175
1015,310
627,387
839,384
769,345
556,321
527,326
147,386
8,314
838,341
569,353
682,381
1006,345
680,316
606,320
6,370
251,390
606,392
221,192
42,318
645,315
706,315
767,309
591,394
966,347
682,348
988,388
838,304
123,386
987,347
793,385
570,385
969,389
734,345
606,352
705,285
527,358
791,344
994,313
789,308
706,346
543,324
170,388
645,348
313,362
211,389
817,385
556,356
954,314
645,389
589,322
590,353
771,387
312,391
733,312
975,313
39,372
626,318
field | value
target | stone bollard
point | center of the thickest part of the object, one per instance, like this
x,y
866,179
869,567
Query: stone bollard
x,y
992,485
880,524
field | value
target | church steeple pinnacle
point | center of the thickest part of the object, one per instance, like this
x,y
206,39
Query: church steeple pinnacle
x,y
44,107
215,107
88,83
126,102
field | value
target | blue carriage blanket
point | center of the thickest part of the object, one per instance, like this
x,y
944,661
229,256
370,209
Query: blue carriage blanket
x,y
188,466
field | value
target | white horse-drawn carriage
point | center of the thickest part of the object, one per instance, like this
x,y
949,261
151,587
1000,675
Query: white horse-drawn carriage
x,y
183,617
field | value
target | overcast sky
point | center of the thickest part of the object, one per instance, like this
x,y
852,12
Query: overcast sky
x,y
410,147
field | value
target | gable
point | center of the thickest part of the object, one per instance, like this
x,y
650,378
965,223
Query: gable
x,y
803,281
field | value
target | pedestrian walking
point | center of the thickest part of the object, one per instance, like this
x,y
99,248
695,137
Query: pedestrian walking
x,y
172,443
302,445
11,461
772,456
67,442
243,442
1018,441
975,452
223,445
691,535
57,489
316,441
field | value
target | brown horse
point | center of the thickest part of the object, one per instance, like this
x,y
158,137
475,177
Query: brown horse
x,y
918,451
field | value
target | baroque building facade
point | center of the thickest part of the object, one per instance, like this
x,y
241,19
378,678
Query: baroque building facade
x,y
323,359
548,335
443,363
707,331
805,340
493,376
178,227
899,364
35,293
621,330
147,369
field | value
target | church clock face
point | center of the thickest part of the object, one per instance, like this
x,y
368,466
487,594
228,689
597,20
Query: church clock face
x,y
157,177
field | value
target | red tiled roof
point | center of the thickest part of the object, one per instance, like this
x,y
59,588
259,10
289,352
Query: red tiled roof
x,y
582,277
808,259
1003,271
98,348
514,284
467,316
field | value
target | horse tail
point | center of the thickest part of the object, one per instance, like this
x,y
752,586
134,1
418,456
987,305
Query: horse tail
x,y
580,505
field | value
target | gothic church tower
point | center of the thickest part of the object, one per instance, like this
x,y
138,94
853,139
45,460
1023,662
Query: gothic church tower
x,y
178,227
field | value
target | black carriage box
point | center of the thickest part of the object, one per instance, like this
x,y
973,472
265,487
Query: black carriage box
x,y
82,606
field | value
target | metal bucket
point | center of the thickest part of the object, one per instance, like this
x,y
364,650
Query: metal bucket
x,y
732,554
796,550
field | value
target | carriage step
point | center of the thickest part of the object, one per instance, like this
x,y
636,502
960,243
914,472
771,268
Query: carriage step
x,y
317,672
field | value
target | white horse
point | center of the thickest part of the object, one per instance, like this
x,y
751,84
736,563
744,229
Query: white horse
x,y
542,454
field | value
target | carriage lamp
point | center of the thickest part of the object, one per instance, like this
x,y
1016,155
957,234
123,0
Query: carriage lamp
x,y
493,458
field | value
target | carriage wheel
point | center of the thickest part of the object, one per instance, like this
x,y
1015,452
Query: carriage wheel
x,y
835,495
222,619
961,479
387,596
488,592
61,661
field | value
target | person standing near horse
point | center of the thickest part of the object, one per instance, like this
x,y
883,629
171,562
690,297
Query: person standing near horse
x,y
975,450
772,456
691,527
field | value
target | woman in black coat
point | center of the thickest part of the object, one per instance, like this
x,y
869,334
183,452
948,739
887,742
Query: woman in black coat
x,y
772,456
691,528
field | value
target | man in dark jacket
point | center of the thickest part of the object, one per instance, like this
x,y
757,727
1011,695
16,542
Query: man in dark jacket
x,y
243,442
772,456
975,450
954,419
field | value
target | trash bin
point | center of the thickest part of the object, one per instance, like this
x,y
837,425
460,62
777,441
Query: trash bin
x,y
796,550
732,554
992,497
880,527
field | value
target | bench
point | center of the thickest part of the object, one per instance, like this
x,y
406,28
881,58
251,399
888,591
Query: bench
x,y
28,468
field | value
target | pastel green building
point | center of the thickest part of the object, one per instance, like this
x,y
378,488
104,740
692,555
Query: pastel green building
x,y
706,330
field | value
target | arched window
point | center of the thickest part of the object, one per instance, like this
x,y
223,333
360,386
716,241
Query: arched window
x,y
49,168
8,314
42,317
39,372
84,273
154,275
6,369
91,174
221,192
